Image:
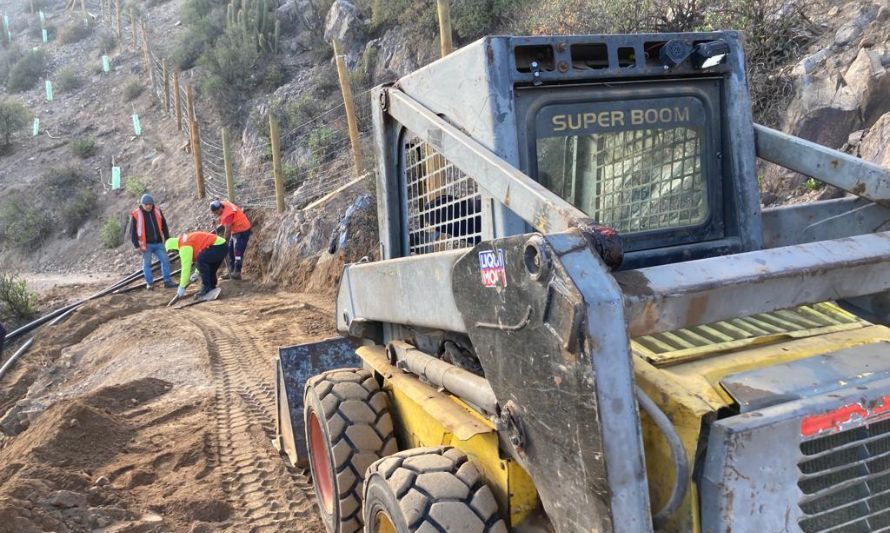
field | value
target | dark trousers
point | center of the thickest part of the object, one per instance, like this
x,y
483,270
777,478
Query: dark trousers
x,y
237,245
208,263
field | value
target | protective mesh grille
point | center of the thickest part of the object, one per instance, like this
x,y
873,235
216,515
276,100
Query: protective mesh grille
x,y
634,181
443,207
650,179
845,479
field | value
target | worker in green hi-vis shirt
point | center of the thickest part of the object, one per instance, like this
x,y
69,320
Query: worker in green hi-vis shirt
x,y
207,250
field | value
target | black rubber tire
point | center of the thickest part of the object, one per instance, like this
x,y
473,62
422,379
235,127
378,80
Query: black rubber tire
x,y
356,429
429,489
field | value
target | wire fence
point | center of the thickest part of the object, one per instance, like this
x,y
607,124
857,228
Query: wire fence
x,y
317,156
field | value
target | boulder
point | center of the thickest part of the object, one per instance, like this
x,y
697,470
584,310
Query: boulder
x,y
875,145
345,25
869,80
394,59
825,111
302,19
850,32
66,499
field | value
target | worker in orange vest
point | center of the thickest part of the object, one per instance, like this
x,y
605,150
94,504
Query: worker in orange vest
x,y
237,233
148,231
206,250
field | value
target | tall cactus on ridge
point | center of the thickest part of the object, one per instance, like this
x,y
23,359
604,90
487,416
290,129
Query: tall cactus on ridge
x,y
255,20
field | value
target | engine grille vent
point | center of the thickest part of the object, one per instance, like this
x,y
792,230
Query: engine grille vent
x,y
845,479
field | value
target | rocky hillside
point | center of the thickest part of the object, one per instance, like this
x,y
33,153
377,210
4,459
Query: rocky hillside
x,y
841,95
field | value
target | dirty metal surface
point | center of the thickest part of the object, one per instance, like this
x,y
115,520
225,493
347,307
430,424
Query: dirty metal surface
x,y
821,221
295,365
847,172
670,297
762,471
804,378
545,319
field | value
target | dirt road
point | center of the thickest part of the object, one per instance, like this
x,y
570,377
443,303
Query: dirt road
x,y
130,416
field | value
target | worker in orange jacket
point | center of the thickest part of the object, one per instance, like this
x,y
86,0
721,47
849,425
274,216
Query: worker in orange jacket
x,y
237,233
206,250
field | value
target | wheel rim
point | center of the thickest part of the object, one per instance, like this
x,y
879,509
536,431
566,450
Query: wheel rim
x,y
321,464
384,524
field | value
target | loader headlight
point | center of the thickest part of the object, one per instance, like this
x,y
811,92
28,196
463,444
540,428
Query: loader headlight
x,y
709,54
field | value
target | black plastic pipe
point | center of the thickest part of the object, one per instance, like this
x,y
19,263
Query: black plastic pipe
x,y
53,314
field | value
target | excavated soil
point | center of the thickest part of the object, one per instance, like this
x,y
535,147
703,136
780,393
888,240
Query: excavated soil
x,y
131,416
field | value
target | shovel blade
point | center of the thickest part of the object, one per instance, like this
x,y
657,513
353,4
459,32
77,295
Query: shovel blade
x,y
294,366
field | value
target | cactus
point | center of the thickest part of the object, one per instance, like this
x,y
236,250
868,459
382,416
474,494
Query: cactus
x,y
255,21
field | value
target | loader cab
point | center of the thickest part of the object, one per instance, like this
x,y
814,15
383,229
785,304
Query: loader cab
x,y
649,134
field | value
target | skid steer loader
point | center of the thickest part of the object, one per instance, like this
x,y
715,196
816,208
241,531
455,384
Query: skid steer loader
x,y
582,319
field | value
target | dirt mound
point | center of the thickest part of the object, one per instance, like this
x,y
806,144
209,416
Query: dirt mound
x,y
141,418
85,463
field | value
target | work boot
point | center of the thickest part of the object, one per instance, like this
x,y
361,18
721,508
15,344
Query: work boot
x,y
200,294
169,285
149,286
235,275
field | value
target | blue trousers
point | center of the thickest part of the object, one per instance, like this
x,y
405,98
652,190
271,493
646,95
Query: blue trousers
x,y
237,246
156,249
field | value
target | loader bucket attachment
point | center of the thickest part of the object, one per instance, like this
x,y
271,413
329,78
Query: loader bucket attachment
x,y
293,368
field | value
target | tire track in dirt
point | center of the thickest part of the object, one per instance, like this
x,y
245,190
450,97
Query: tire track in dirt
x,y
265,494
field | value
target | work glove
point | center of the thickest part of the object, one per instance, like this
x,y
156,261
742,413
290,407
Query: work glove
x,y
194,277
180,292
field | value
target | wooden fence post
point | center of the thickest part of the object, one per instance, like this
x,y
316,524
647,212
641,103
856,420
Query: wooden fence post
x,y
195,136
134,45
445,44
227,163
349,103
177,100
117,15
276,163
146,51
166,75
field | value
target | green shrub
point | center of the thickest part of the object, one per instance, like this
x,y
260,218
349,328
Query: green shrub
x,y
35,30
61,182
26,72
205,21
234,70
23,222
16,301
78,209
8,58
132,91
303,110
135,186
293,176
68,80
83,147
325,81
813,184
107,43
14,116
112,233
323,142
75,32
